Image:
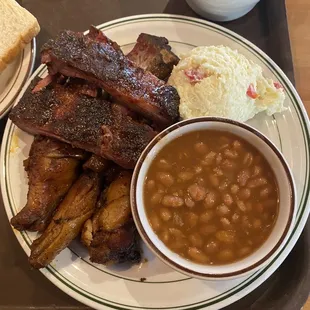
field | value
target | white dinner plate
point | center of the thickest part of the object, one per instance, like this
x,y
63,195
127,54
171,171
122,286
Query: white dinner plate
x,y
14,76
121,287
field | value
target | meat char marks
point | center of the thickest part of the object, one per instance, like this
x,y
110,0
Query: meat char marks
x,y
93,124
99,60
154,54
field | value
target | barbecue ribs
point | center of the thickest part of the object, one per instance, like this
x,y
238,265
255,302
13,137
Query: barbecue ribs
x,y
93,124
154,54
98,60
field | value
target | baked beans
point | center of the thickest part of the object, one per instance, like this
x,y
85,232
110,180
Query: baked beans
x,y
211,197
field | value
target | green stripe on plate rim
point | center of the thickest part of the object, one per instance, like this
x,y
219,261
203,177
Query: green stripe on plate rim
x,y
304,197
43,70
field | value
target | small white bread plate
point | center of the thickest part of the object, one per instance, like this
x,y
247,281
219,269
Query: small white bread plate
x,y
14,76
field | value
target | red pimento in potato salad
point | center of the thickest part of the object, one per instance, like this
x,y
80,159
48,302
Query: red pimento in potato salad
x,y
222,77
195,75
251,92
277,85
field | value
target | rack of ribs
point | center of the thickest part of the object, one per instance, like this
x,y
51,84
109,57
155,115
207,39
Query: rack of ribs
x,y
100,61
154,54
93,124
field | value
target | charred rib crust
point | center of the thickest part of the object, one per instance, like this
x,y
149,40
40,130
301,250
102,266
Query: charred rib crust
x,y
59,111
153,53
98,61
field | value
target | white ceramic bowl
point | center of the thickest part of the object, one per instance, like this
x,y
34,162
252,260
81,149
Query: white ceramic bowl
x,y
222,10
287,207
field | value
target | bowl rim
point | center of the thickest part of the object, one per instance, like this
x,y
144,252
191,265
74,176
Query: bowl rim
x,y
156,250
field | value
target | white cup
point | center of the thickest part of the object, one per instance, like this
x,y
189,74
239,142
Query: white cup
x,y
222,10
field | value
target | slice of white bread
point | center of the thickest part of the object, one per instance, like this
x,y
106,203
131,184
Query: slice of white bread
x,y
17,28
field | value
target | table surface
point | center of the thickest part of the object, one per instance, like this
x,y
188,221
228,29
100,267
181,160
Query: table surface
x,y
299,24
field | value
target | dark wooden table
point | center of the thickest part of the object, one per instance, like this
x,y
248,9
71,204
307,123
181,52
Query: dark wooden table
x,y
266,26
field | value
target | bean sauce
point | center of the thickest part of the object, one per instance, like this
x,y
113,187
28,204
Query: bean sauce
x,y
211,197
